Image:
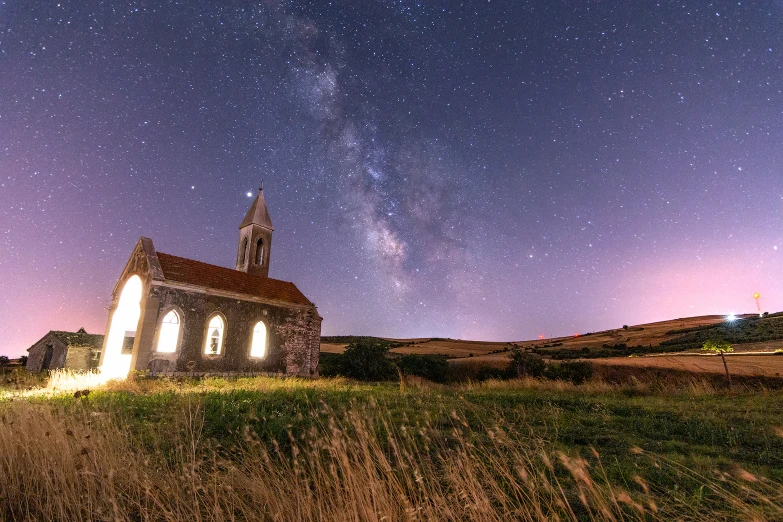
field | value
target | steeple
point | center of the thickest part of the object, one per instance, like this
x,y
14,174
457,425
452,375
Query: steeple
x,y
255,238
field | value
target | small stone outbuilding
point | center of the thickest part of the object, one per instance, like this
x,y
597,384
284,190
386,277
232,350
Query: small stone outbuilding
x,y
171,315
71,350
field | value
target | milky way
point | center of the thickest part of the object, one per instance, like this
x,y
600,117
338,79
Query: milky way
x,y
485,170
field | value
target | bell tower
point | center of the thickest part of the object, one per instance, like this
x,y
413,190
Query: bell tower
x,y
255,238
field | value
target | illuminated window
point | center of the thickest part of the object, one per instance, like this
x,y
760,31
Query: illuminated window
x,y
243,253
116,358
215,330
169,333
260,252
258,345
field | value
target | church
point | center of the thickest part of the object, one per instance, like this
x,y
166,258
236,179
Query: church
x,y
176,316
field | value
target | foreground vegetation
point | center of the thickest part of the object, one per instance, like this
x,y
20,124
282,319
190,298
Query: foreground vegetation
x,y
332,449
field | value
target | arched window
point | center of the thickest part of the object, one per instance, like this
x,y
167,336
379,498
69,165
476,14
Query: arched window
x,y
260,252
258,344
169,333
243,253
116,360
215,330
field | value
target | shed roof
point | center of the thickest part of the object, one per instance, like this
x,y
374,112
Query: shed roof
x,y
196,273
80,338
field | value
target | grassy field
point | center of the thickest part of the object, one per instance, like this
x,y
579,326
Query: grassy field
x,y
739,364
286,449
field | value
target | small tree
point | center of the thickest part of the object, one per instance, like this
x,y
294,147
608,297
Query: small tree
x,y
720,347
526,364
366,360
3,360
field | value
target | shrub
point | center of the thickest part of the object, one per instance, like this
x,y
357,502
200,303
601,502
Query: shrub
x,y
471,371
577,372
3,360
431,367
364,360
486,372
525,364
329,364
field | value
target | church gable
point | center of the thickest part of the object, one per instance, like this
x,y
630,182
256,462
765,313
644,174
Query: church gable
x,y
143,262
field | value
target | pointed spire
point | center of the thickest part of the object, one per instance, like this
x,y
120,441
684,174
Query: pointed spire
x,y
258,214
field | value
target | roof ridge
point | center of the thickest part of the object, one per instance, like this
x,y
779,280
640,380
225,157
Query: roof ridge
x,y
72,333
206,275
232,270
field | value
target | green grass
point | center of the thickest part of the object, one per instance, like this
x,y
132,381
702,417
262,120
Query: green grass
x,y
686,435
701,431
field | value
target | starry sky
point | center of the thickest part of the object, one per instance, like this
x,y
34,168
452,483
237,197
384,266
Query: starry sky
x,y
493,170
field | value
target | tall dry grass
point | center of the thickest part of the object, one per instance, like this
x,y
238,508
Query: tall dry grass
x,y
66,382
69,462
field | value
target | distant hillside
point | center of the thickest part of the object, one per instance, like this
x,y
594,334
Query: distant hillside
x,y
747,333
751,329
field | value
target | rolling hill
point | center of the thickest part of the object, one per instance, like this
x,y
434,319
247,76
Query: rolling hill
x,y
658,344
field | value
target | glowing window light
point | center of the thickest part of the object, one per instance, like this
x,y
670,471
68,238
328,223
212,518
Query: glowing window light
x,y
258,345
169,333
116,364
214,342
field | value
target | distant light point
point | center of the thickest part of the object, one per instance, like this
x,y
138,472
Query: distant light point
x,y
249,194
731,317
192,187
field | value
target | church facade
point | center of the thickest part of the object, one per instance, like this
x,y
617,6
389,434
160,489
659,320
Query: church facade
x,y
176,316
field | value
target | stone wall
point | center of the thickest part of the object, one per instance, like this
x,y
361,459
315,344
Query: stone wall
x,y
293,335
35,356
78,358
297,332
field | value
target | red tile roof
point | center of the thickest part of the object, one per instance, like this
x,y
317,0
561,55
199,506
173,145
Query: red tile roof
x,y
216,277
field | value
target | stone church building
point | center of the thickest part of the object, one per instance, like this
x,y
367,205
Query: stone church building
x,y
171,315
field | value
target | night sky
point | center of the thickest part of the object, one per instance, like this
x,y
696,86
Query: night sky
x,y
481,170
